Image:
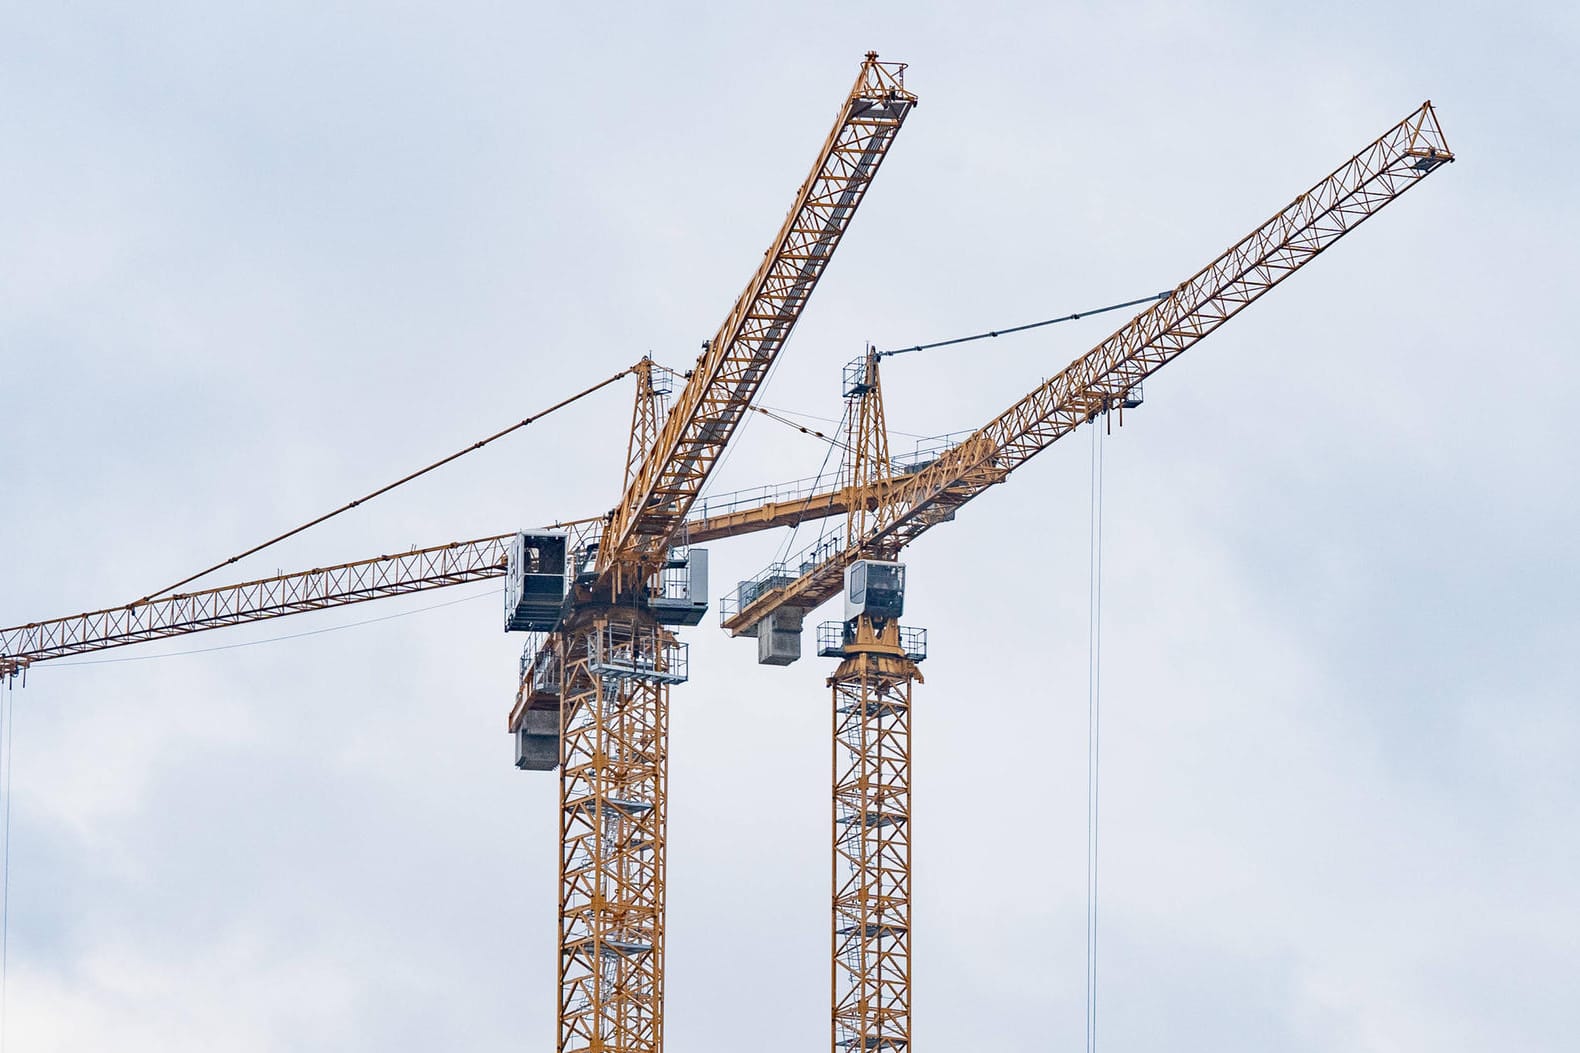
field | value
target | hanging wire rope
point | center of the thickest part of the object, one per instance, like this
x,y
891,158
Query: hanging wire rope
x,y
272,639
478,445
1094,713
1022,328
7,732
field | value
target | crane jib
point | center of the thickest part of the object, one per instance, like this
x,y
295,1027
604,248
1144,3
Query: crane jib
x,y
1376,175
735,363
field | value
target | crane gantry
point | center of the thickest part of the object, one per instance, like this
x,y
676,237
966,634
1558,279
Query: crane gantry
x,y
600,596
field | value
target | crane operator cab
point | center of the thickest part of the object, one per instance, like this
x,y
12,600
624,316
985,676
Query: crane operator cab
x,y
535,582
875,588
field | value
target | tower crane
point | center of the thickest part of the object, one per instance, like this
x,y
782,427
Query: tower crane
x,y
601,601
599,597
887,509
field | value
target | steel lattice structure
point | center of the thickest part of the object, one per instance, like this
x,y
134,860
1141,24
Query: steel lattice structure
x,y
614,741
871,972
323,588
734,363
1378,174
455,563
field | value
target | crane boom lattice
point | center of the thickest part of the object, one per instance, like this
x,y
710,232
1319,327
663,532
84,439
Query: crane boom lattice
x,y
1393,163
735,362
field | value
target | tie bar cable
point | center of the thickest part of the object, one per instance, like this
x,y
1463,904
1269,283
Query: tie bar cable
x,y
478,445
1022,328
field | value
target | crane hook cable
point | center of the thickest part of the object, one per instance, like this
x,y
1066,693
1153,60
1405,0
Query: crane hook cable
x,y
1094,723
1030,325
386,489
7,734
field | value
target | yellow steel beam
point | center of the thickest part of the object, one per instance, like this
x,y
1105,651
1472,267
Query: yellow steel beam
x,y
871,968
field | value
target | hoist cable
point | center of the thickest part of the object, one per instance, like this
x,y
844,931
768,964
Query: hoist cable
x,y
478,445
1023,328
7,729
1094,714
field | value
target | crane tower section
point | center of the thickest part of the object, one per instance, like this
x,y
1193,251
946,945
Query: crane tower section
x,y
872,704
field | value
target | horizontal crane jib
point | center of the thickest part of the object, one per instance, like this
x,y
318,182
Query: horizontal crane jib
x,y
322,588
734,364
317,589
1396,161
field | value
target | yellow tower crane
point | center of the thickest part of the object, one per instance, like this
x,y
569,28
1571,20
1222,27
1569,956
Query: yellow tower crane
x,y
887,509
601,600
599,597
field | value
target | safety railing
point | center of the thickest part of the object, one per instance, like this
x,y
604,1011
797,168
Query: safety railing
x,y
926,451
709,505
639,652
779,574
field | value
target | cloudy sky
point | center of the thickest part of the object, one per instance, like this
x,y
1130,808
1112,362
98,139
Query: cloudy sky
x,y
259,259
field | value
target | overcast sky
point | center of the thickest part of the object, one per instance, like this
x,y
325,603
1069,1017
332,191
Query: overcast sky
x,y
259,259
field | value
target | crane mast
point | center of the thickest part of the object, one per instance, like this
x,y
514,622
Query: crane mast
x,y
872,690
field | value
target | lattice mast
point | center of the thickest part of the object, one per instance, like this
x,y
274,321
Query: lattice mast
x,y
872,690
618,666
647,413
871,969
866,460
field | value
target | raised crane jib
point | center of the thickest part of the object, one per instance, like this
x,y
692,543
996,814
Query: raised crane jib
x,y
1380,172
733,364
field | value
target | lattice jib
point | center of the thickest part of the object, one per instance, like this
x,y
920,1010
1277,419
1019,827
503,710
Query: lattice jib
x,y
734,363
1393,163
